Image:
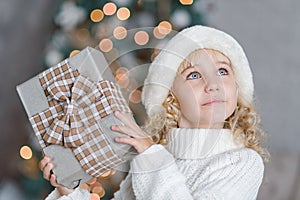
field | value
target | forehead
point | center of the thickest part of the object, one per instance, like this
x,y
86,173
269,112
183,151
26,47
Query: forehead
x,y
203,55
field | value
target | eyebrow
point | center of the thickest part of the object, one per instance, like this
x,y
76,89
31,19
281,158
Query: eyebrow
x,y
187,69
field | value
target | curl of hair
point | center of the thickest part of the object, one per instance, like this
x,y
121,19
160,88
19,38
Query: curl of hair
x,y
246,128
159,124
244,123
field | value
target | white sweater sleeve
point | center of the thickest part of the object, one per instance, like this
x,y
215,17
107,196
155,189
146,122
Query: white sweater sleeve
x,y
156,176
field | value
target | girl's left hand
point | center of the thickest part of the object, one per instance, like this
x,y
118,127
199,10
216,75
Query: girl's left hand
x,y
138,138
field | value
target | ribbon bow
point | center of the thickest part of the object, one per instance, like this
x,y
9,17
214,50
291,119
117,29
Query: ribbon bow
x,y
78,101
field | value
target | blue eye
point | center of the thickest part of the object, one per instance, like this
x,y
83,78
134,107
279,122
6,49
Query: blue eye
x,y
193,75
222,72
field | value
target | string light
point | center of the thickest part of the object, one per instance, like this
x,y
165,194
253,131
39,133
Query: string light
x,y
109,8
141,38
120,32
123,13
106,45
96,15
186,2
26,152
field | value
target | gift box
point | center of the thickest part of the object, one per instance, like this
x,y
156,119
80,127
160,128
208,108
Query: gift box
x,y
70,107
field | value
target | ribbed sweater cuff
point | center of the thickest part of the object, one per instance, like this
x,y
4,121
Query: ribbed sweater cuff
x,y
154,158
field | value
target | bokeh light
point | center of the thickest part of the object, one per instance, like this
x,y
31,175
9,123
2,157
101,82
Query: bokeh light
x,y
135,96
74,52
123,13
121,71
122,80
94,196
186,2
109,8
96,15
84,186
120,32
157,34
141,38
121,77
106,45
165,27
92,181
26,152
102,194
155,52
106,174
97,189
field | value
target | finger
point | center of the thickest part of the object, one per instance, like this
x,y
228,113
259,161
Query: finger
x,y
53,181
128,120
125,118
129,131
139,145
63,190
123,129
130,141
47,171
44,162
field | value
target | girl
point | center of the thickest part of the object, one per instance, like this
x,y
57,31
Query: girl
x,y
206,140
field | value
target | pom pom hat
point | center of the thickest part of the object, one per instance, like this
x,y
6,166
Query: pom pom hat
x,y
163,69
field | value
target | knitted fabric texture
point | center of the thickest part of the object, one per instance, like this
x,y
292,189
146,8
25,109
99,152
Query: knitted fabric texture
x,y
225,172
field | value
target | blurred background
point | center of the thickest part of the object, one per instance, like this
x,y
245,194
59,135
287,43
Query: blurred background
x,y
37,34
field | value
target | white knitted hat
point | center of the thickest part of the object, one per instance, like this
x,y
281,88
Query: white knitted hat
x,y
163,69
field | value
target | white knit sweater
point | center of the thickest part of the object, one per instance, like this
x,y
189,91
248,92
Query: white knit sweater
x,y
197,164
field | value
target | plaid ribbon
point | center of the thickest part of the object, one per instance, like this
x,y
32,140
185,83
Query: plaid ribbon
x,y
76,103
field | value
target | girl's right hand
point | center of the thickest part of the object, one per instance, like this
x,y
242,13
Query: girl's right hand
x,y
46,166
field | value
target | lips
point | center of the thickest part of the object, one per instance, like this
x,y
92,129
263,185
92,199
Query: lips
x,y
213,102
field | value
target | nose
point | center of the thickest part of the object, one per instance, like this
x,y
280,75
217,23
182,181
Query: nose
x,y
213,85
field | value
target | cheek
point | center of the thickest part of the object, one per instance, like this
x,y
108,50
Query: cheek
x,y
187,99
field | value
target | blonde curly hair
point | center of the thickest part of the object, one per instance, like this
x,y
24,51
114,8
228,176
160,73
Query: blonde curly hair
x,y
244,121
